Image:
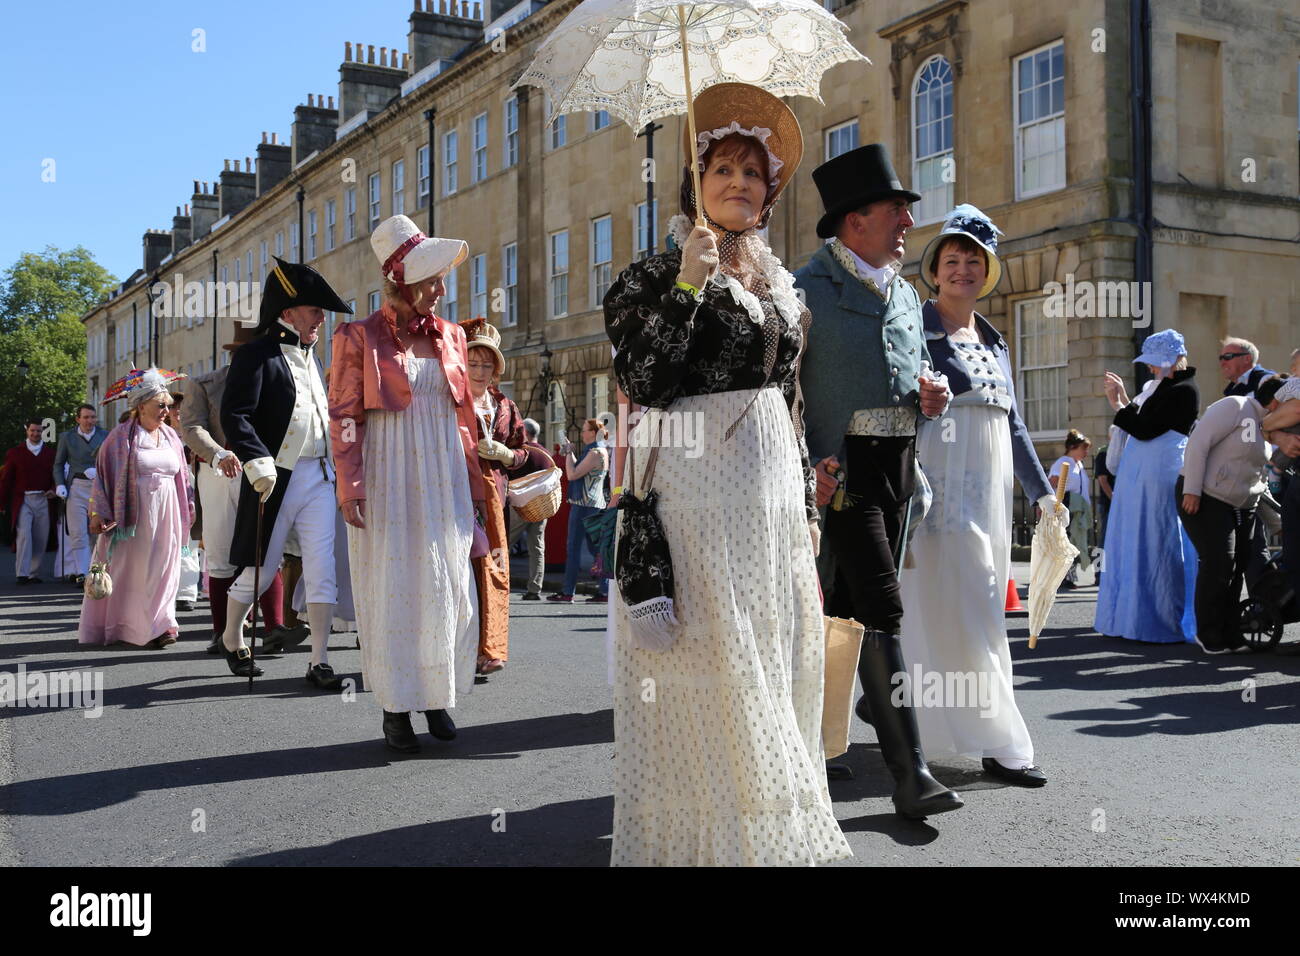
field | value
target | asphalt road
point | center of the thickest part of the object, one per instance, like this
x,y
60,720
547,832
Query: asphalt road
x,y
1156,755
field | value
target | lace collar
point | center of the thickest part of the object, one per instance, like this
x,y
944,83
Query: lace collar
x,y
765,262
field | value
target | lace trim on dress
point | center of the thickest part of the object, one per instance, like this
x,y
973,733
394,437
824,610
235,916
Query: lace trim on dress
x,y
779,279
657,610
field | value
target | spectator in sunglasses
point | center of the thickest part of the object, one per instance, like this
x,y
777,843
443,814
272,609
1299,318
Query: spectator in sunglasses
x,y
1240,368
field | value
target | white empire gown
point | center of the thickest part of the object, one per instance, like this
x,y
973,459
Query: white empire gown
x,y
413,585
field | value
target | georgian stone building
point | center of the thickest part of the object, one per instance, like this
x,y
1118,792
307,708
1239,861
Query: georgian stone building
x,y
1187,187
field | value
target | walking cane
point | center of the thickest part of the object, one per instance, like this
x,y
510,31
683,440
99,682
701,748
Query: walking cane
x,y
257,592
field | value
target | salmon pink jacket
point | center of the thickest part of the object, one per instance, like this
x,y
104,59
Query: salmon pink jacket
x,y
368,371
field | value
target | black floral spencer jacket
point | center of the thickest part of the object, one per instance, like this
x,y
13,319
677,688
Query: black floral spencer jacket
x,y
669,344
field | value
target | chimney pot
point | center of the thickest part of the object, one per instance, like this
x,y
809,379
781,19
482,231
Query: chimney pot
x,y
248,164
383,56
331,106
311,99
347,51
406,62
263,136
370,53
196,186
187,209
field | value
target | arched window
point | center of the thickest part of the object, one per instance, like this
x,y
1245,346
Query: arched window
x,y
932,162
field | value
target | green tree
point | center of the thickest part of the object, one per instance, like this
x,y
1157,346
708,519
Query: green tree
x,y
42,298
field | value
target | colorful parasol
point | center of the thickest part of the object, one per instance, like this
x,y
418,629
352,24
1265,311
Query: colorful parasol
x,y
132,379
1049,560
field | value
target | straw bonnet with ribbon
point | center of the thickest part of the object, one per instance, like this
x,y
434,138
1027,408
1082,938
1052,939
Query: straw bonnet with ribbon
x,y
966,220
292,284
407,257
727,108
479,333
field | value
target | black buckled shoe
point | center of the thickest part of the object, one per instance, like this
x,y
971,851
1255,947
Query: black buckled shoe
x,y
440,724
323,676
216,647
398,733
282,638
241,662
1026,777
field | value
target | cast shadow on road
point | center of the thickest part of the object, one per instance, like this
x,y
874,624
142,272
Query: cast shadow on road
x,y
571,833
505,740
1160,675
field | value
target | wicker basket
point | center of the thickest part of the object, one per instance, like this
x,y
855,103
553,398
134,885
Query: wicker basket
x,y
536,497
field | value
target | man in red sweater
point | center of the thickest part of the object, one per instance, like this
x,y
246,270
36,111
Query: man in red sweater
x,y
27,487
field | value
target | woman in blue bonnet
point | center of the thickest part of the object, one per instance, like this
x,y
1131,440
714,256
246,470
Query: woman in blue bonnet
x,y
1147,589
962,548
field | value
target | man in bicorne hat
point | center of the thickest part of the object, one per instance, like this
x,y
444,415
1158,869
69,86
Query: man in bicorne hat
x,y
276,418
864,382
217,483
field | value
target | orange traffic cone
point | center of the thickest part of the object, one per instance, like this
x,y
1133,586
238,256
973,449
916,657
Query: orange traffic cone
x,y
1013,596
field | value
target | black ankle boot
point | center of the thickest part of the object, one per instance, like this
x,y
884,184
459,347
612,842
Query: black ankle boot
x,y
398,733
440,724
918,794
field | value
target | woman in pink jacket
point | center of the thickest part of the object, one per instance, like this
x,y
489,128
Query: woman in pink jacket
x,y
403,431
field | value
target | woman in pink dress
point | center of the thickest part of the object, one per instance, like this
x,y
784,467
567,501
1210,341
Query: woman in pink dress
x,y
143,496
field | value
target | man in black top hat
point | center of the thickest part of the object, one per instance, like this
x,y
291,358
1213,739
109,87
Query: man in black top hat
x,y
865,379
276,419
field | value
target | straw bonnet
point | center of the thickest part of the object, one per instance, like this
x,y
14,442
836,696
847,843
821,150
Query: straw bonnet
x,y
479,333
406,255
726,108
966,220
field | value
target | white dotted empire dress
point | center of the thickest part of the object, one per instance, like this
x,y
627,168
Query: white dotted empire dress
x,y
718,739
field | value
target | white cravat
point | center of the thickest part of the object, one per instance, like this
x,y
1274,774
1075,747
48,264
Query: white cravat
x,y
35,449
87,435
881,277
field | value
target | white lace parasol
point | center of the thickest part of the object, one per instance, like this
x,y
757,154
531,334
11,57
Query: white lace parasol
x,y
625,56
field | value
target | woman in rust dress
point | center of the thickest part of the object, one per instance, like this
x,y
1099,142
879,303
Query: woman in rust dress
x,y
502,454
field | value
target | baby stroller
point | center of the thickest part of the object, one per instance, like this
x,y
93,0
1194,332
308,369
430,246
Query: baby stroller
x,y
1272,603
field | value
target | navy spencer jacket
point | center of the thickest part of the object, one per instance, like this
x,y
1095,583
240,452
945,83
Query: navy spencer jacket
x,y
1025,461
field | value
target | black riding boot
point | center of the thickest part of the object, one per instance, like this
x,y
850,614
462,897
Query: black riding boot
x,y
918,794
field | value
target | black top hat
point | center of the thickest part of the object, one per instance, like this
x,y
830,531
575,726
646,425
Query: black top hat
x,y
853,180
291,284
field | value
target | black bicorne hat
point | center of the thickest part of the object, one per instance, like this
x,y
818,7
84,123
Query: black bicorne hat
x,y
853,180
290,284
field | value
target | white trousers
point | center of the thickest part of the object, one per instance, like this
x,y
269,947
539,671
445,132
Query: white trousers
x,y
219,497
78,511
33,533
309,509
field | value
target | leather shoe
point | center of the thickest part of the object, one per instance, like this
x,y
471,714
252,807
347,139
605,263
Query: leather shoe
x,y
22,580
216,647
532,596
1028,777
839,771
282,638
184,607
440,724
241,663
398,734
323,676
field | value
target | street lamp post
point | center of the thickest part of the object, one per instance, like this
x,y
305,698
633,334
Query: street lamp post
x,y
649,133
428,118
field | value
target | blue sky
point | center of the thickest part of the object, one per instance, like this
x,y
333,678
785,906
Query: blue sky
x,y
113,93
